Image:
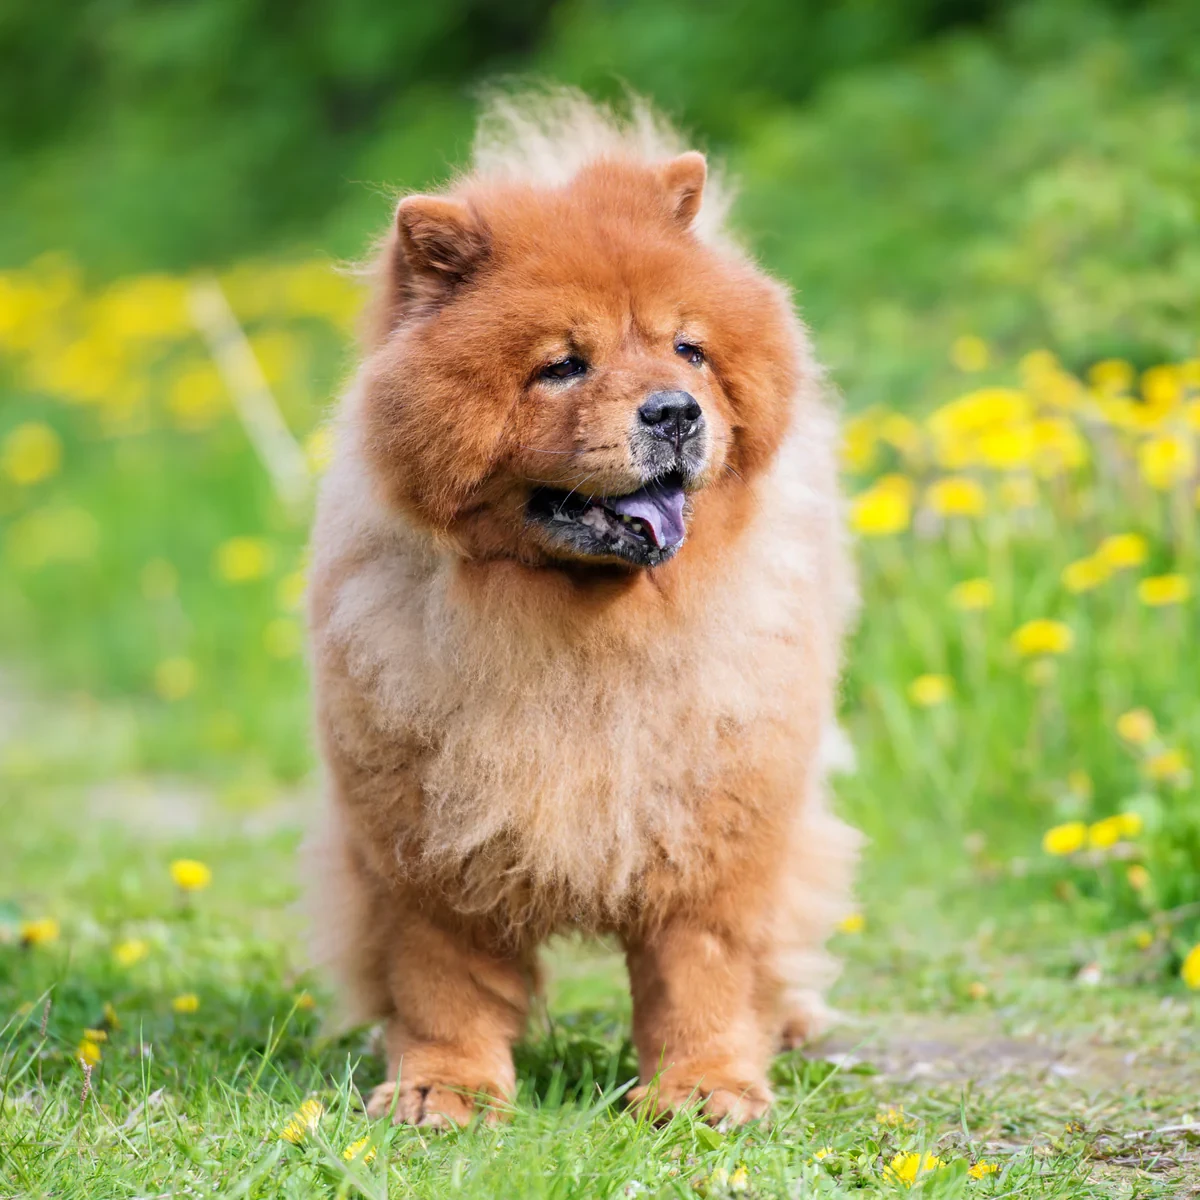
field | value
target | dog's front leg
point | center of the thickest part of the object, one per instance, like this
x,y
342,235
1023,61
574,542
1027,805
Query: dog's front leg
x,y
458,1006
698,1021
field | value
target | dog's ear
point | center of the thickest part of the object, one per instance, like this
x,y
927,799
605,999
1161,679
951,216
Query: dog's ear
x,y
683,177
441,239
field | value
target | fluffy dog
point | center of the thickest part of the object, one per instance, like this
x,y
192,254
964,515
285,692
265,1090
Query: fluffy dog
x,y
577,598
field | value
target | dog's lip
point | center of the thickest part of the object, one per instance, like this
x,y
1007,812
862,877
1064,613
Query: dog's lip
x,y
654,512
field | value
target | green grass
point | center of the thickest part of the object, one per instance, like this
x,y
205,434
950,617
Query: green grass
x,y
1034,1076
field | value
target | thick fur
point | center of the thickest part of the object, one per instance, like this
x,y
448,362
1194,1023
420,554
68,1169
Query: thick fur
x,y
520,742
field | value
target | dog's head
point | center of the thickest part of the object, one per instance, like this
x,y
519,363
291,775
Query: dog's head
x,y
557,373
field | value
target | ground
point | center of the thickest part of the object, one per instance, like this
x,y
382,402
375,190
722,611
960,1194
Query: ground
x,y
973,1042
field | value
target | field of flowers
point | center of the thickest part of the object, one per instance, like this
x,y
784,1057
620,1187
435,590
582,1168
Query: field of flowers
x,y
1021,694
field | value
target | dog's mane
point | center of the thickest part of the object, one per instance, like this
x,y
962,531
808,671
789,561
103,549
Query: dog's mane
x,y
547,136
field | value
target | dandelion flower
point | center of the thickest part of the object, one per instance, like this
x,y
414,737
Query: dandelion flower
x,y
305,1002
822,1154
901,432
973,594
927,691
1138,877
1136,726
175,678
186,1003
1104,833
303,1122
1065,839
1167,765
977,990
1123,550
243,559
40,932
318,449
1166,461
111,1020
981,1168
853,923
190,875
1111,374
130,952
1143,939
956,496
355,1150
1043,636
880,511
1131,824
905,1168
31,452
970,353
1085,574
1156,591
1190,971
894,1116
88,1050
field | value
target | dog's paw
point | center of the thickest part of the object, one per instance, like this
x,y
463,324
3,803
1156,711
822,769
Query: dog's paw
x,y
721,1101
430,1105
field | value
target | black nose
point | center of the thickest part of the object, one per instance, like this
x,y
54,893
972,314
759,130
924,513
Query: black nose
x,y
672,415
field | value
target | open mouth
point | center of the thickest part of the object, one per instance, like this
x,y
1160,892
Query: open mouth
x,y
645,527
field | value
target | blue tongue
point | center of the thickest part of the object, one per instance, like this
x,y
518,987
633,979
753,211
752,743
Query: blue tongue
x,y
659,507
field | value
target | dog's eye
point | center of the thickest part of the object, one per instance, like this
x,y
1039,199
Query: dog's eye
x,y
565,368
691,352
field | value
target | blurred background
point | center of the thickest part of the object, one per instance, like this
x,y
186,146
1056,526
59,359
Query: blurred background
x,y
964,194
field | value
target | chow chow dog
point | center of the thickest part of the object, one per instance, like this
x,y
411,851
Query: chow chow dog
x,y
578,591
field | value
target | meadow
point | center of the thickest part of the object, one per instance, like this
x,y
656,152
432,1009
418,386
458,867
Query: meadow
x,y
1021,994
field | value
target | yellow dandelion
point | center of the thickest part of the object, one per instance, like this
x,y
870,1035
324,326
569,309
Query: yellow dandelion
x,y
1190,971
927,691
243,559
1104,833
355,1150
1158,591
907,1168
859,442
1079,782
1143,939
303,1122
111,1020
175,678
1131,824
1068,838
1165,766
30,453
1059,446
127,953
853,923
981,1168
1136,726
977,990
186,1002
1123,550
40,932
739,1180
973,594
290,592
1111,374
196,396
1007,447
970,353
880,511
893,1116
88,1050
1085,574
283,638
1166,461
1042,636
822,1154
190,875
956,496
902,433
1137,877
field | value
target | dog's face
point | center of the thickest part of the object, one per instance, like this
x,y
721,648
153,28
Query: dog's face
x,y
564,370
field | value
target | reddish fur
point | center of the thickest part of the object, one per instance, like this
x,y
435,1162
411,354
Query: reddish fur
x,y
433,598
